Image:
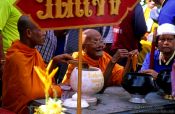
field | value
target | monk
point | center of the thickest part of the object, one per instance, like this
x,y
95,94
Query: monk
x,y
94,55
21,84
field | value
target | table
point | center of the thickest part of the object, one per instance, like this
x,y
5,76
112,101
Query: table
x,y
115,100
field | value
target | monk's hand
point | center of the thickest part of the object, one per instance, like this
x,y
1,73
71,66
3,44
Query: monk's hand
x,y
150,72
120,53
133,56
63,58
134,52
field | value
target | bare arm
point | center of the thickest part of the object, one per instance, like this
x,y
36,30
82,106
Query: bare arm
x,y
121,53
63,58
131,61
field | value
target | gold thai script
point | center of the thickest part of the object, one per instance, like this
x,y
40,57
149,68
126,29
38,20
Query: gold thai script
x,y
76,8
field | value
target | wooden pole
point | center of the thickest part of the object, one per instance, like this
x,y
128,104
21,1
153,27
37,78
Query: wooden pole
x,y
79,72
153,45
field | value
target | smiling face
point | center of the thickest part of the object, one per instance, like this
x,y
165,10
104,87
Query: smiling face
x,y
93,44
166,43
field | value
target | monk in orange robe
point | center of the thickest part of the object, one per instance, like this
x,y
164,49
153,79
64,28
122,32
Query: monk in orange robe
x,y
94,55
21,84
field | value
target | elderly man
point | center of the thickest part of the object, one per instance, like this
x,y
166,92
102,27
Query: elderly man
x,y
20,81
94,55
165,54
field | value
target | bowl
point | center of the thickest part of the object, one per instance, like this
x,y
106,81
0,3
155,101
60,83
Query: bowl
x,y
138,85
164,81
92,82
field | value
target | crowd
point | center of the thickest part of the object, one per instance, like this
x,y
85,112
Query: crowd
x,y
111,48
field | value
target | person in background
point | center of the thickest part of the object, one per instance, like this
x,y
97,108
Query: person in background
x,y
150,5
107,35
47,50
94,55
21,83
51,46
147,39
165,54
167,12
142,2
9,16
128,33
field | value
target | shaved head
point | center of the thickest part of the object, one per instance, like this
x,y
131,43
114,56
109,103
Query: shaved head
x,y
30,34
89,34
93,44
24,22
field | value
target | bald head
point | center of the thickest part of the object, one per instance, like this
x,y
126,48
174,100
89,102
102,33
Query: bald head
x,y
89,34
30,34
24,23
93,43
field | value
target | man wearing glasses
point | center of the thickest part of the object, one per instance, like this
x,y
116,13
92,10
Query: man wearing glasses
x,y
93,53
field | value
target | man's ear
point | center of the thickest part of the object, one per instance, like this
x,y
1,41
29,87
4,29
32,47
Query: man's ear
x,y
28,32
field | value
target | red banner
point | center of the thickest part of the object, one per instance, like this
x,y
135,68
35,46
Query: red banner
x,y
62,14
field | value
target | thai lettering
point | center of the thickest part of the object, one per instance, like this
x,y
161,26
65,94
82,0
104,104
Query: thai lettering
x,y
76,8
100,6
114,6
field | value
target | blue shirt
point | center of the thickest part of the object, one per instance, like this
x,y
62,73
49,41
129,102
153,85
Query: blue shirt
x,y
167,13
157,67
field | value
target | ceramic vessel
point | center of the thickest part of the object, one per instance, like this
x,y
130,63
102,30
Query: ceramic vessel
x,y
92,82
138,85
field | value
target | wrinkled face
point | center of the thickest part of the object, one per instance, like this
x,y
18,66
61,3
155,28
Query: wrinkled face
x,y
166,43
37,36
94,45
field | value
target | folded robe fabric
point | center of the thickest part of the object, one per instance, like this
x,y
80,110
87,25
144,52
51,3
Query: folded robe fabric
x,y
102,63
21,84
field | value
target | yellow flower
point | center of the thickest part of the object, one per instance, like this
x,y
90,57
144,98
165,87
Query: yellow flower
x,y
46,77
52,107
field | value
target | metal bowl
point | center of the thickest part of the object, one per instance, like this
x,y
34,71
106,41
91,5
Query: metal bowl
x,y
138,85
164,81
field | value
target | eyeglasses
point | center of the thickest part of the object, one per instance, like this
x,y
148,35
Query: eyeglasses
x,y
96,42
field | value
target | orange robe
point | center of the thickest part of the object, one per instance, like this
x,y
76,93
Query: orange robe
x,y
21,84
102,63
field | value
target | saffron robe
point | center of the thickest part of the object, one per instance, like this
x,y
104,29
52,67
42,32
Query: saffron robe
x,y
21,84
102,63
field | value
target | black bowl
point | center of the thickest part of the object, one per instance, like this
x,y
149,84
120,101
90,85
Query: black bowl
x,y
164,81
138,83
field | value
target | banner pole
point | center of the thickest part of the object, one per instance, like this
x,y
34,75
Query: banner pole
x,y
79,72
